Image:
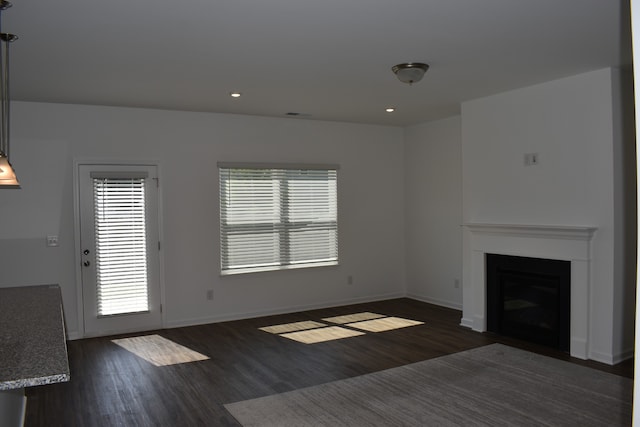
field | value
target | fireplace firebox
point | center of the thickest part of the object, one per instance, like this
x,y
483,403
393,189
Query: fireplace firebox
x,y
529,299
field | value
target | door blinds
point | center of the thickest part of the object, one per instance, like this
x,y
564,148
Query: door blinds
x,y
121,253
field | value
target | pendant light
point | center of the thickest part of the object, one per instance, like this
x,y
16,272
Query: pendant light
x,y
8,177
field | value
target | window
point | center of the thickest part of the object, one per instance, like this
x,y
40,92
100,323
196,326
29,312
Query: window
x,y
274,218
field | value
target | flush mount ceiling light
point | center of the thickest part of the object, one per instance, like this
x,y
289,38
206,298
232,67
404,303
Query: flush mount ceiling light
x,y
390,109
410,72
235,94
8,177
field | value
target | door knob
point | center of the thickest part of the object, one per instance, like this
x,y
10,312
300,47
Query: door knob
x,y
86,263
86,252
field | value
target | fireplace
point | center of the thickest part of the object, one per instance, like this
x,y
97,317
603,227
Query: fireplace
x,y
564,243
529,299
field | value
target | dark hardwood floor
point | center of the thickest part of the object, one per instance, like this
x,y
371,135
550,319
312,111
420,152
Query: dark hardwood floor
x,y
112,387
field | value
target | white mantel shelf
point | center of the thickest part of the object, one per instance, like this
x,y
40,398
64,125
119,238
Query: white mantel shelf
x,y
569,243
530,230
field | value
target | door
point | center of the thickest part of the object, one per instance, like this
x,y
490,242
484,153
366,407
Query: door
x,y
119,248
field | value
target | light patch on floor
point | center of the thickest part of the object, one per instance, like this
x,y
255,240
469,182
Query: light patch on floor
x,y
356,317
329,333
292,327
311,332
384,324
159,350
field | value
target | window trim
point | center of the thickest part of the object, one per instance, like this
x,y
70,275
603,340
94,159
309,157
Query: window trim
x,y
274,166
289,166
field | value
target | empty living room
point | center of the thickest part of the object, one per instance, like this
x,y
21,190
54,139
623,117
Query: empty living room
x,y
317,213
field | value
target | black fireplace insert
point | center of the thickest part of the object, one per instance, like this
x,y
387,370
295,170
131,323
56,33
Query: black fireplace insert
x,y
529,299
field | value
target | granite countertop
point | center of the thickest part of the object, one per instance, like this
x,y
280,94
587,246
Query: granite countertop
x,y
33,347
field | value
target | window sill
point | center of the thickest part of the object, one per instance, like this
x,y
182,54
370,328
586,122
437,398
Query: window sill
x,y
277,268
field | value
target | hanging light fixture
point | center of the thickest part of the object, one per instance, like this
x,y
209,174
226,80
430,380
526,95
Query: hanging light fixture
x,y
410,72
8,177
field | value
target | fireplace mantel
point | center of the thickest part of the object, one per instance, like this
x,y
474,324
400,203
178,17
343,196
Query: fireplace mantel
x,y
545,231
569,243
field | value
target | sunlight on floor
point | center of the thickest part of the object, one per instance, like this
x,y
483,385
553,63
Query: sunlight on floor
x,y
384,324
292,327
357,317
328,333
158,350
311,332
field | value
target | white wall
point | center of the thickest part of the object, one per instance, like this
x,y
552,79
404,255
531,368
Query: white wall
x,y
625,211
583,176
433,212
47,138
570,124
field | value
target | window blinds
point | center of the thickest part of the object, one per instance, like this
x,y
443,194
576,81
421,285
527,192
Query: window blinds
x,y
121,253
276,218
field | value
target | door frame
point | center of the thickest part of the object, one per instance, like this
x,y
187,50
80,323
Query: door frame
x,y
76,227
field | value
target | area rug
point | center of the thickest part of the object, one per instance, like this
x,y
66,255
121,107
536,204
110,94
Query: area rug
x,y
494,385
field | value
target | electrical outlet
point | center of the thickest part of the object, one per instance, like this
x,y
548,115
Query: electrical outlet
x,y
52,241
210,294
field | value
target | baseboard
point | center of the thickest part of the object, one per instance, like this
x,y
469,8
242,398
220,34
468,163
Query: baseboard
x,y
467,323
611,359
625,355
280,310
73,335
435,301
601,357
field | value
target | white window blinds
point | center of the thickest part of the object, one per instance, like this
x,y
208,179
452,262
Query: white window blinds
x,y
277,218
121,254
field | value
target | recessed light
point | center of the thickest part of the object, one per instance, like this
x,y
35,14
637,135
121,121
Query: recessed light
x,y
390,109
235,94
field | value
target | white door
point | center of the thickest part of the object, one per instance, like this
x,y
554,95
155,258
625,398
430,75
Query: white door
x,y
120,248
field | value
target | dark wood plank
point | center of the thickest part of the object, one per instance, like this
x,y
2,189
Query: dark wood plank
x,y
112,387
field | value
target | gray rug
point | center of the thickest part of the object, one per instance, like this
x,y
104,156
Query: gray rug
x,y
493,385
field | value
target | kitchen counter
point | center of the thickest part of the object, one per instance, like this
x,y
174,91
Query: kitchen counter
x,y
33,347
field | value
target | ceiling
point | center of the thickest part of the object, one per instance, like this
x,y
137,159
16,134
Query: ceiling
x,y
323,59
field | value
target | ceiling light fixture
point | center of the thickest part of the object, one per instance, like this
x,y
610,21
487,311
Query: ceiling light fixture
x,y
390,109
410,72
8,177
235,94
